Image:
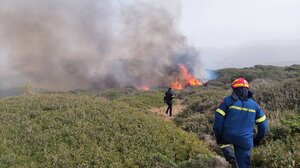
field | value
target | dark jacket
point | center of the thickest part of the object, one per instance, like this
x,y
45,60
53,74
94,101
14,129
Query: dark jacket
x,y
168,96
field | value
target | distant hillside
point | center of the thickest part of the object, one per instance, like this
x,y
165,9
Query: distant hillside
x,y
11,92
272,52
256,74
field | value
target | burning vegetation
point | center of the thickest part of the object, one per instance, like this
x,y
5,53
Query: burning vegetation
x,y
184,78
179,79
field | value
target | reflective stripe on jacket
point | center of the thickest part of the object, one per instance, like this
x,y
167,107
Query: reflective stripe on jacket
x,y
235,119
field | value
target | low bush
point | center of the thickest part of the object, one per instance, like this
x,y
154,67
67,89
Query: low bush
x,y
279,132
204,162
278,153
281,97
144,100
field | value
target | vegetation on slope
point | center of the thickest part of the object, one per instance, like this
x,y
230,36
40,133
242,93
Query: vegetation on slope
x,y
272,73
67,130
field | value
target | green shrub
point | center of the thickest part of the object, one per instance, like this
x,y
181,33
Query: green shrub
x,y
281,97
293,123
144,100
198,115
279,131
198,123
278,154
204,162
112,94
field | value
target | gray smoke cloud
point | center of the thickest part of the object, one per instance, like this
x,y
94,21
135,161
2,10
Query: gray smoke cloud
x,y
72,44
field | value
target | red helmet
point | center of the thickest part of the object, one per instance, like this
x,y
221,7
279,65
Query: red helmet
x,y
240,82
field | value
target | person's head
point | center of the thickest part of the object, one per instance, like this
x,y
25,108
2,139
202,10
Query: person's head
x,y
169,89
240,88
240,82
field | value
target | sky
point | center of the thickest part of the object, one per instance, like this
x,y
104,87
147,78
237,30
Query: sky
x,y
221,23
243,33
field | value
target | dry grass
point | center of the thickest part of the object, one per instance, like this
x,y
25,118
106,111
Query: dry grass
x,y
161,111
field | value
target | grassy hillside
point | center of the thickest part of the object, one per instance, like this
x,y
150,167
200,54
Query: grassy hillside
x,y
269,73
69,130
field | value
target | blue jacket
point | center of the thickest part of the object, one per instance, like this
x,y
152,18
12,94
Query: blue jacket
x,y
234,122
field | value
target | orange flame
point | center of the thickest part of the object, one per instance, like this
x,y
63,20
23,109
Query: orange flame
x,y
177,85
143,88
184,78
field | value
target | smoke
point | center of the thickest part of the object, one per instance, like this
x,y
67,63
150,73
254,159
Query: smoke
x,y
71,44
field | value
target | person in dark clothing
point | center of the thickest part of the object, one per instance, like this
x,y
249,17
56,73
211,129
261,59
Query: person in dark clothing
x,y
234,124
168,99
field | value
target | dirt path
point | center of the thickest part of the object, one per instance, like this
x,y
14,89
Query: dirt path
x,y
162,111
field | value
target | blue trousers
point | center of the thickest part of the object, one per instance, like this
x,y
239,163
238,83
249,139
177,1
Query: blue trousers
x,y
228,153
242,155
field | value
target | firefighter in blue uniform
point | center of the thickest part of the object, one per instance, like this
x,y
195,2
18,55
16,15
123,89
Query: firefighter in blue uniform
x,y
234,124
